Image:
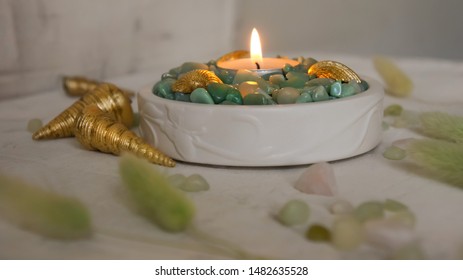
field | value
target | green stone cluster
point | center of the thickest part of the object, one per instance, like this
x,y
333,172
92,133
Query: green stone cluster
x,y
290,85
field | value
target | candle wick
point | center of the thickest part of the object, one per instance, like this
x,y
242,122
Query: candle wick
x,y
258,66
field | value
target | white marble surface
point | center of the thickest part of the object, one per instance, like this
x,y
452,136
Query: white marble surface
x,y
240,204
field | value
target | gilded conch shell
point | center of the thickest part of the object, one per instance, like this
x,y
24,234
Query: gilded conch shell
x,y
97,130
194,79
107,97
234,55
79,86
334,70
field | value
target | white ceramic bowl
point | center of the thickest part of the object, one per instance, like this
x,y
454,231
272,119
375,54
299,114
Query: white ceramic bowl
x,y
254,135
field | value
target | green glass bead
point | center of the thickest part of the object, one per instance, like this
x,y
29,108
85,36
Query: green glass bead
x,y
305,97
33,125
287,95
393,110
318,233
336,89
320,94
179,96
347,90
394,205
346,233
219,91
369,210
325,82
200,95
163,88
234,96
394,153
195,183
294,212
188,66
255,99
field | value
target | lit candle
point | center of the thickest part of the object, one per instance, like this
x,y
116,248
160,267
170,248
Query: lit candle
x,y
257,63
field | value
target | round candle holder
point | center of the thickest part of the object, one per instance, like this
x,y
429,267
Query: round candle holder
x,y
252,135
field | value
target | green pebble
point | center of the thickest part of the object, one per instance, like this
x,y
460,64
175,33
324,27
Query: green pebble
x,y
277,79
174,71
33,125
369,210
179,96
394,205
318,233
347,90
347,233
393,110
163,88
189,66
309,61
320,94
305,97
355,85
200,95
364,86
287,95
195,183
168,76
226,76
294,212
226,102
246,75
176,180
255,99
336,89
235,97
294,83
394,153
219,92
298,75
325,82
288,68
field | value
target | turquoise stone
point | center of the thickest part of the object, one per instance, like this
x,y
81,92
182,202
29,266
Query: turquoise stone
x,y
277,79
304,98
235,97
294,74
188,66
219,92
356,86
163,88
363,85
288,68
225,75
336,89
179,96
301,68
320,94
294,83
325,82
255,99
348,90
174,71
226,102
287,95
200,95
246,75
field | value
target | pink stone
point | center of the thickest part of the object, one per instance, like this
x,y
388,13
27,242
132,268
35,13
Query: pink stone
x,y
318,179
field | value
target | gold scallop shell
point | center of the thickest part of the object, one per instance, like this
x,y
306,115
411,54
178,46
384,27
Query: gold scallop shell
x,y
98,130
333,70
234,55
194,79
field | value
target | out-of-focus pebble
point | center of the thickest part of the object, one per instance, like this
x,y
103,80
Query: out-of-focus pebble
x,y
318,179
369,210
388,234
394,153
347,233
195,183
33,125
294,212
341,207
393,110
318,233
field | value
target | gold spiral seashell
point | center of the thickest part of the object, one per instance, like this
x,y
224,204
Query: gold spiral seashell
x,y
333,70
234,55
107,97
194,79
79,86
97,130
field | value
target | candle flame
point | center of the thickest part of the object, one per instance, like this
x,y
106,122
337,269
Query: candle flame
x,y
256,48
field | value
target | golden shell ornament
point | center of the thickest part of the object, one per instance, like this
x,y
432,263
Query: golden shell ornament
x,y
106,96
97,130
194,79
79,86
234,55
333,70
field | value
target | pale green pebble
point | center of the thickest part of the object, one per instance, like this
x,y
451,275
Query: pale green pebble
x,y
294,212
177,180
195,183
341,207
369,210
347,233
200,95
404,217
393,110
394,205
320,94
347,90
33,125
255,99
305,97
287,95
163,88
394,153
